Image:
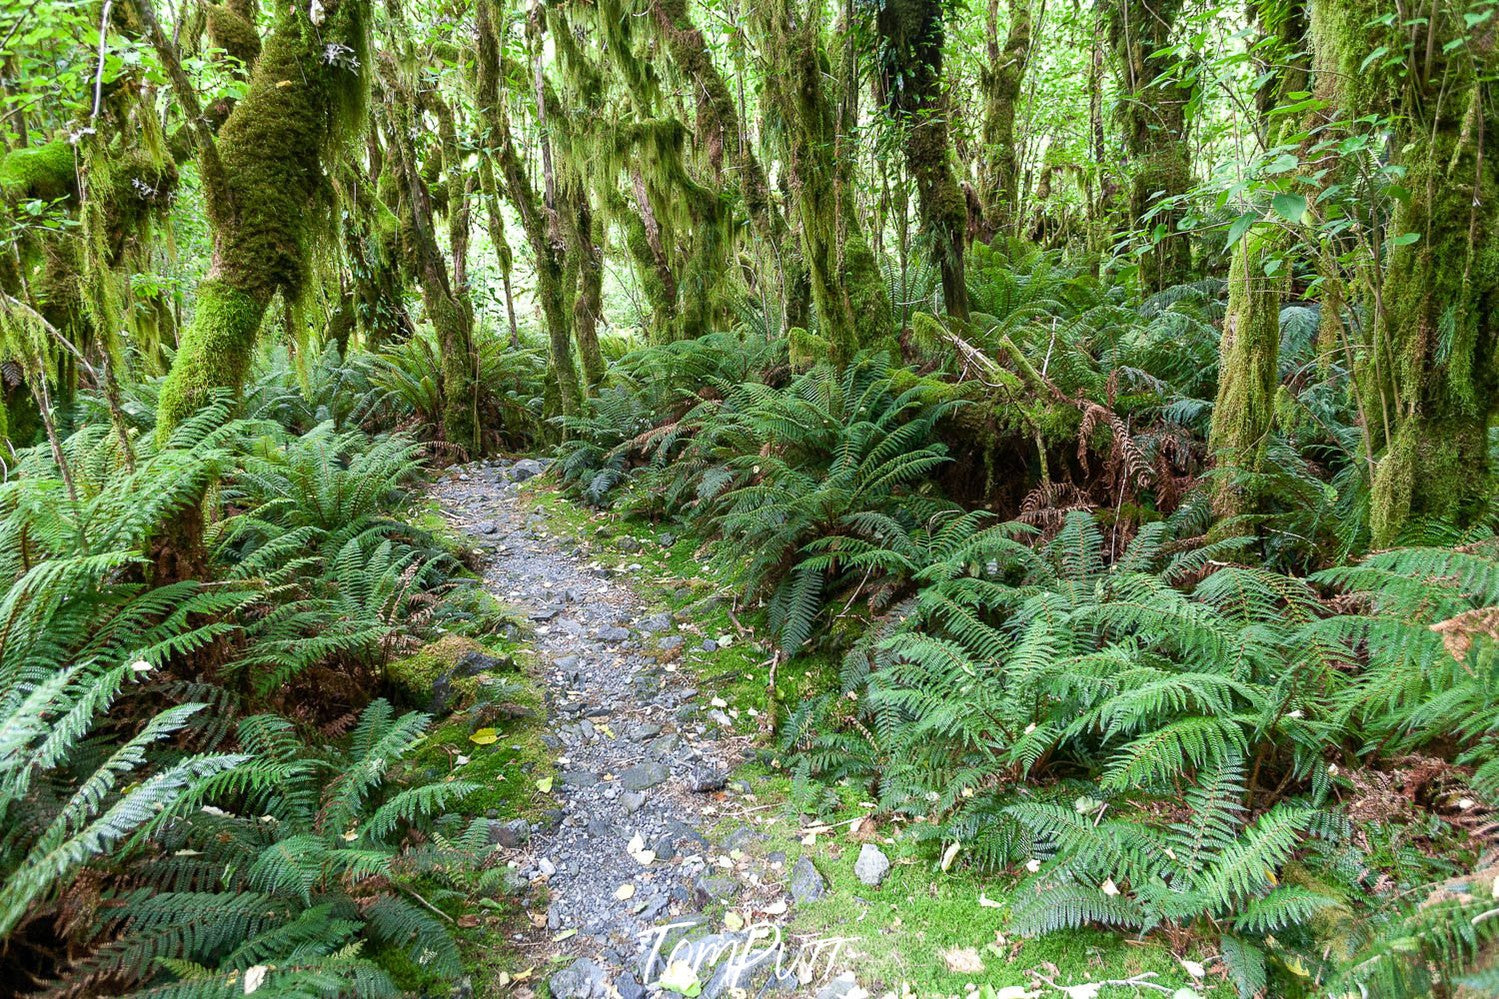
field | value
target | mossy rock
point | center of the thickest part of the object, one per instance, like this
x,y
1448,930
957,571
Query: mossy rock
x,y
444,675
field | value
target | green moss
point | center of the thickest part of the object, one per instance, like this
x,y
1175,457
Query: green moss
x,y
414,676
214,352
269,198
234,33
47,172
1248,372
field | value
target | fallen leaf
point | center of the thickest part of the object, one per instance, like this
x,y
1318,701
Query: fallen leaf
x,y
468,920
986,902
624,891
484,737
544,785
1109,888
254,977
679,977
733,920
564,935
951,854
1015,992
1194,969
776,908
963,961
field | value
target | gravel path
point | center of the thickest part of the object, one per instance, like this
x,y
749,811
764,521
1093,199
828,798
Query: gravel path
x,y
643,760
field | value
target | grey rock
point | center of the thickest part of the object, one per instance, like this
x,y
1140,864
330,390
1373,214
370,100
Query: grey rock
x,y
741,837
526,468
613,633
706,780
709,645
656,623
546,867
807,884
580,980
644,775
628,987
665,848
627,544
509,834
644,731
670,642
544,614
719,887
839,987
632,800
579,778
872,865
667,539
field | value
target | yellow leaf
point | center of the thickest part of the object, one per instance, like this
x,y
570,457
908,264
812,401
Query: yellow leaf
x,y
484,737
544,785
565,934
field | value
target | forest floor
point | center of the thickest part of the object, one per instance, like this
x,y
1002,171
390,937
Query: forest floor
x,y
670,851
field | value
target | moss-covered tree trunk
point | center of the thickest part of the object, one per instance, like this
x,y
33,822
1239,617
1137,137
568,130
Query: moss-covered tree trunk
x,y
723,132
1001,80
1249,353
585,242
266,192
1152,114
1435,353
847,286
913,36
444,296
538,221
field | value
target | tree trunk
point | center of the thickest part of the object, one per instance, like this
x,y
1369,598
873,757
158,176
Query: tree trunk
x,y
911,77
1152,113
264,185
1001,81
847,286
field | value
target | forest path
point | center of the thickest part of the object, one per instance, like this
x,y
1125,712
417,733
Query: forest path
x,y
626,860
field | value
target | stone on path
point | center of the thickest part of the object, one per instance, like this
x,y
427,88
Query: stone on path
x,y
644,775
580,980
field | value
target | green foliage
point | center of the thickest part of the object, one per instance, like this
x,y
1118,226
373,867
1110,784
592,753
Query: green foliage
x,y
200,841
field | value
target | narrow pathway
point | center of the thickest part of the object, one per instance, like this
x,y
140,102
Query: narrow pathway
x,y
641,765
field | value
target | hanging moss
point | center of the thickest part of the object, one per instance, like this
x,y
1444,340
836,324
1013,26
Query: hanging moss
x,y
852,307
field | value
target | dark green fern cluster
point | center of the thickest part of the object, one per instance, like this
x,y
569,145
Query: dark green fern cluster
x,y
164,836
